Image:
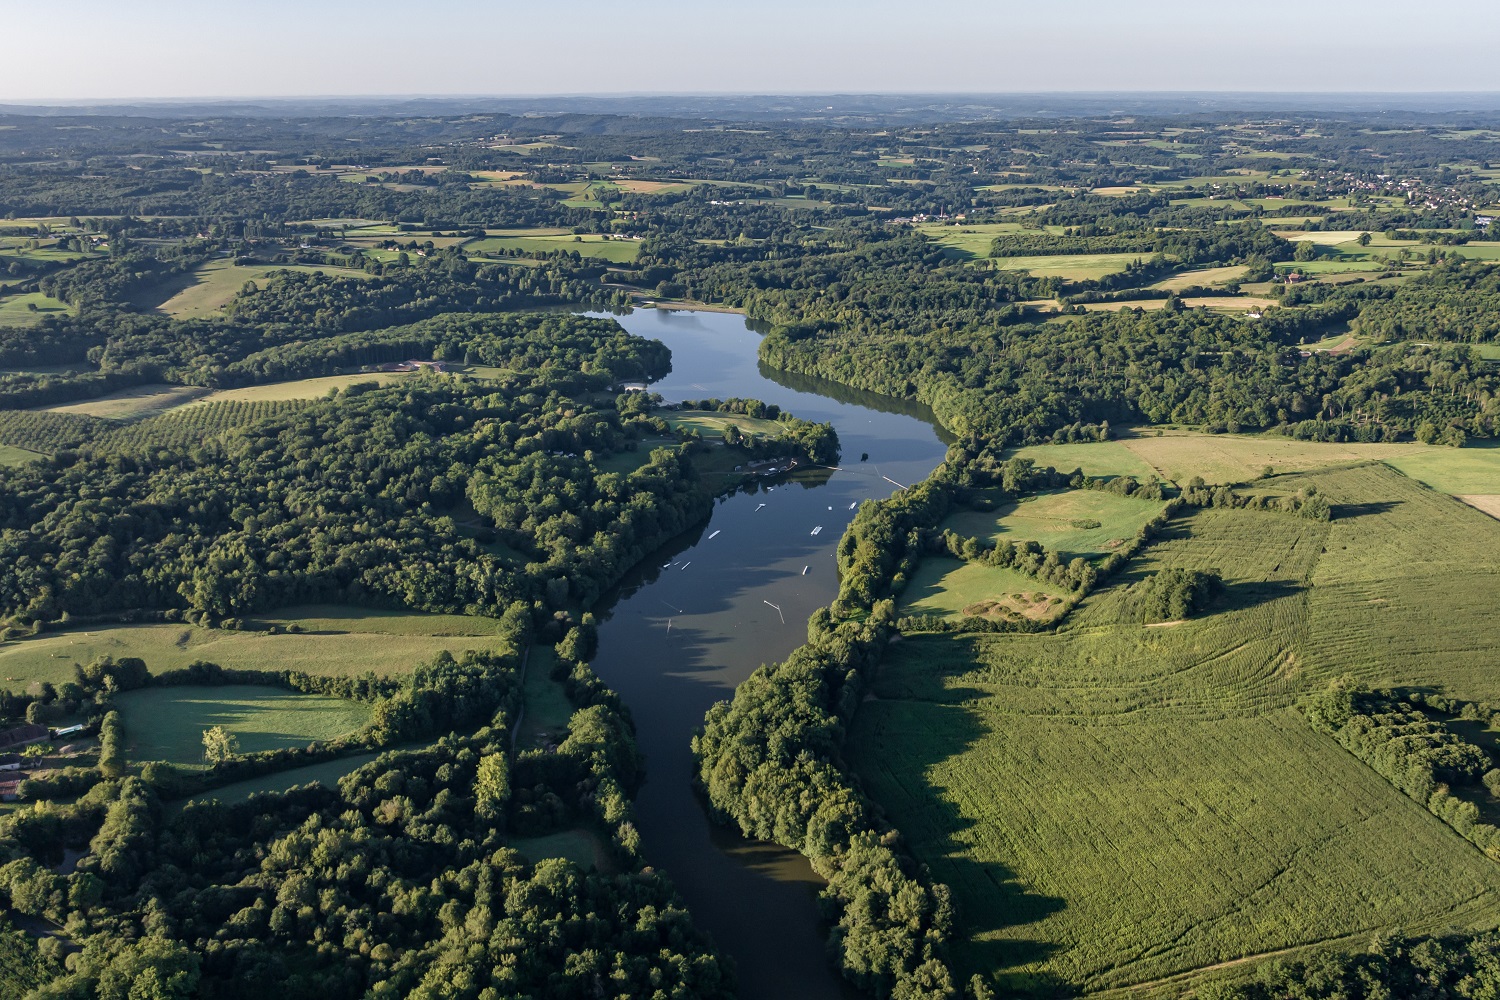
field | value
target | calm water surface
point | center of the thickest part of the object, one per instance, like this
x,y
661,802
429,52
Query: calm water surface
x,y
715,587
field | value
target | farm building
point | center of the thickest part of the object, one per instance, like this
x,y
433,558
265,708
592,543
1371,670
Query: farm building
x,y
414,365
10,791
22,736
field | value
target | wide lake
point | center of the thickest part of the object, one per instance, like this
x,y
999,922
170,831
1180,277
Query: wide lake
x,y
685,629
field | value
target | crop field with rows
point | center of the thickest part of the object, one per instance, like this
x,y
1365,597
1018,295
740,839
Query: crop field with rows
x,y
1118,804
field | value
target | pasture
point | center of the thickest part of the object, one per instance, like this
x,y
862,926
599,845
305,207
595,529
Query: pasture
x,y
303,388
1072,267
969,240
1202,277
27,308
1075,522
1104,458
617,251
135,403
1115,804
376,647
326,773
946,587
167,723
1239,458
713,424
209,288
17,456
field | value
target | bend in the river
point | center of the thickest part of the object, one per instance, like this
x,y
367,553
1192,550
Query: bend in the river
x,y
737,592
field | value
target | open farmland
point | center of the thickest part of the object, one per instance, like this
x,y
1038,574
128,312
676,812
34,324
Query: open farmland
x,y
1237,458
133,404
1075,522
358,647
27,308
588,245
1115,803
210,287
951,587
1073,267
168,723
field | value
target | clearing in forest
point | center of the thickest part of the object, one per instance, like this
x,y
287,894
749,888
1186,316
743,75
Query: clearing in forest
x,y
167,723
1074,522
947,587
1072,267
1114,803
359,647
209,288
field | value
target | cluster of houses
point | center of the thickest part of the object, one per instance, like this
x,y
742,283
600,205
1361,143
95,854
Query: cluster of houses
x,y
17,738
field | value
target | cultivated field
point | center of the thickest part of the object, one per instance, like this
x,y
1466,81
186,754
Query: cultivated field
x,y
1076,522
1116,803
168,723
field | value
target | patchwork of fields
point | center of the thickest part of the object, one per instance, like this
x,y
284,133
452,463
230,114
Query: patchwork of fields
x,y
1118,804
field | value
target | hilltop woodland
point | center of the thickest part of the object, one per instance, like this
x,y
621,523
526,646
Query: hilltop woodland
x,y
172,290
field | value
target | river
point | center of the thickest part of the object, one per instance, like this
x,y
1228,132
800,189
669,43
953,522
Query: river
x,y
735,595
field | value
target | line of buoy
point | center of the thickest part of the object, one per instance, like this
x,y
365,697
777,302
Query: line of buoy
x,y
687,564
714,534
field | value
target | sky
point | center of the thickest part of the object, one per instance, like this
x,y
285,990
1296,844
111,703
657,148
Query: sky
x,y
107,49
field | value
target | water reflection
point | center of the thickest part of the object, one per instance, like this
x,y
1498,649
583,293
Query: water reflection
x,y
683,630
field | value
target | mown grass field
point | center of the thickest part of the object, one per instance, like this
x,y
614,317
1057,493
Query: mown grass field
x,y
951,587
1076,522
1202,277
1116,803
1236,458
133,404
382,646
327,774
210,287
17,310
587,245
17,456
968,240
168,723
1074,267
713,424
303,388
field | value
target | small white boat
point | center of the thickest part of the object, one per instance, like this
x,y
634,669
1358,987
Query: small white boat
x,y
758,507
817,529
854,505
687,564
804,570
714,534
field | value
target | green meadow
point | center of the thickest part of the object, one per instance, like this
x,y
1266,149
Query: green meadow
x,y
167,724
1116,804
